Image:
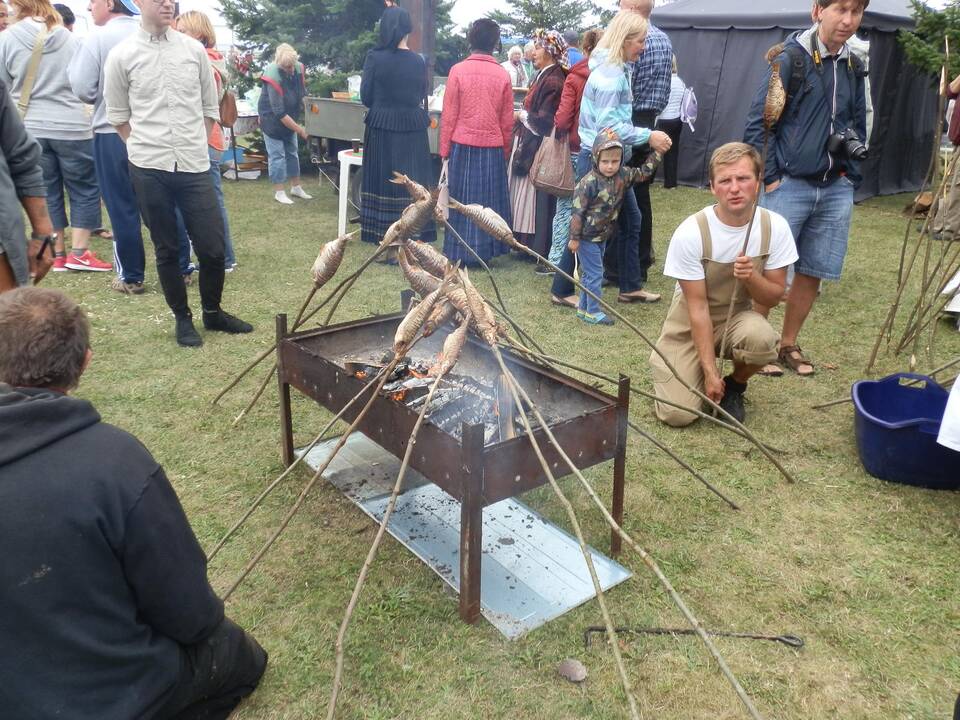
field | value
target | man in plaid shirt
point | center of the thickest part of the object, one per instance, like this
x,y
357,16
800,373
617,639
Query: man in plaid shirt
x,y
651,89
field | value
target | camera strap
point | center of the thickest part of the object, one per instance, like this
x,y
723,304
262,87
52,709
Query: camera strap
x,y
851,75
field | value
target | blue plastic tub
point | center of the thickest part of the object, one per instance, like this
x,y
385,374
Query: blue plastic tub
x,y
897,427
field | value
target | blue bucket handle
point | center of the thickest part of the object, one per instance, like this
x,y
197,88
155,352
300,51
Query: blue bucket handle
x,y
928,425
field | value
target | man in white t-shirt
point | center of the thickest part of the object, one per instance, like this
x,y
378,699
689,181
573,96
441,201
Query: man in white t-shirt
x,y
705,258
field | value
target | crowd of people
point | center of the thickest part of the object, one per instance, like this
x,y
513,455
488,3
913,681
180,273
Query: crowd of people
x,y
88,513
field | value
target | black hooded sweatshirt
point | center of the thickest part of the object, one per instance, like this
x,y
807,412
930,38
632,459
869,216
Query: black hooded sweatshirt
x,y
101,578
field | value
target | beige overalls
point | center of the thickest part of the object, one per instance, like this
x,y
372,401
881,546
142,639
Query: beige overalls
x,y
751,339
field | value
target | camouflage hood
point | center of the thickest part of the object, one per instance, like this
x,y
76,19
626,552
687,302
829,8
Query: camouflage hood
x,y
605,140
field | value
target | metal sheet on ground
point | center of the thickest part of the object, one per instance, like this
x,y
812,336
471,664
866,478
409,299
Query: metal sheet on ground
x,y
532,571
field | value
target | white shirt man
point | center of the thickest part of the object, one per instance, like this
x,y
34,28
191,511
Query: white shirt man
x,y
162,98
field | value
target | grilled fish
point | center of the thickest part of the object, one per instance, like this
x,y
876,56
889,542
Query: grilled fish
x,y
429,259
452,348
328,260
443,311
422,282
488,220
411,324
416,191
776,100
484,319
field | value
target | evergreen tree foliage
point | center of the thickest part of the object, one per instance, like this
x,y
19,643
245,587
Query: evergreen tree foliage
x,y
525,16
924,46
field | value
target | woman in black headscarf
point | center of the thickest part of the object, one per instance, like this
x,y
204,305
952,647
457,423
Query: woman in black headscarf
x,y
394,88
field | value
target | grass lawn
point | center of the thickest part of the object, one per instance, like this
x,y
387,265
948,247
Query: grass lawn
x,y
865,571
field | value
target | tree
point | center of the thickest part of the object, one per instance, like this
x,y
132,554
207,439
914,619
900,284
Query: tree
x,y
330,35
924,46
525,16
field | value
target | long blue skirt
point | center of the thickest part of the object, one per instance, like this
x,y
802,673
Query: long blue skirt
x,y
476,175
381,201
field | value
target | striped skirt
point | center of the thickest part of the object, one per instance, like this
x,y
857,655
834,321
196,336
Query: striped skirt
x,y
381,201
476,175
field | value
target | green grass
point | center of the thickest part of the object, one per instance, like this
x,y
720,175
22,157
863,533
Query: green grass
x,y
865,571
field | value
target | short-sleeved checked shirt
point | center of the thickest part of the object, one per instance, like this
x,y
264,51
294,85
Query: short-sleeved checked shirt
x,y
651,74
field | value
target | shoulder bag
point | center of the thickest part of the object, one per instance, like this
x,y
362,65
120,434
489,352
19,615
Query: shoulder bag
x,y
31,75
551,170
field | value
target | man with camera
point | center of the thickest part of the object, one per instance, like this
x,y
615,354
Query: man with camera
x,y
814,154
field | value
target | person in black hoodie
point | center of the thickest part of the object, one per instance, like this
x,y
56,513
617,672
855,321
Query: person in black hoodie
x,y
105,606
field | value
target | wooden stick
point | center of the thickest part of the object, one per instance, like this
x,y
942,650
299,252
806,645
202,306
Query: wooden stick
x,y
677,459
572,517
372,553
300,321
666,361
316,476
932,373
644,555
301,458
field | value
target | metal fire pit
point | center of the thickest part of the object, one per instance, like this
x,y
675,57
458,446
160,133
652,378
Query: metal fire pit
x,y
590,425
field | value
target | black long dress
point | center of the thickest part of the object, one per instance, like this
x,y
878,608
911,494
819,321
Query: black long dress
x,y
393,88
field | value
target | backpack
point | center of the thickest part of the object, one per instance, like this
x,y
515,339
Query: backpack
x,y
688,108
798,57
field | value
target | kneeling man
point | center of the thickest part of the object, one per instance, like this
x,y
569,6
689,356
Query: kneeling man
x,y
105,608
704,256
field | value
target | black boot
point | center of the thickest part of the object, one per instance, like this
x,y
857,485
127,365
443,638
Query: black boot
x,y
225,322
187,335
732,400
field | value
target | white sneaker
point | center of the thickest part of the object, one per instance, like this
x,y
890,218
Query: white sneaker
x,y
281,197
298,191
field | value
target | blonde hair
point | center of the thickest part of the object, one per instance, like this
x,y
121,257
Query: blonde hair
x,y
734,152
625,26
42,9
286,56
197,24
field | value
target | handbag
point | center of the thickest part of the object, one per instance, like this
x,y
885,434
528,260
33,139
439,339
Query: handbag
x,y
551,170
443,200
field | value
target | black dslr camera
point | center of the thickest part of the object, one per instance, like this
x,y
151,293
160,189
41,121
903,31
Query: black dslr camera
x,y
847,141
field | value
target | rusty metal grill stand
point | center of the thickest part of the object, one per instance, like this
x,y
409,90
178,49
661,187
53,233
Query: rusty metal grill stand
x,y
488,474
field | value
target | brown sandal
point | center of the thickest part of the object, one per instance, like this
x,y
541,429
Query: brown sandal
x,y
791,356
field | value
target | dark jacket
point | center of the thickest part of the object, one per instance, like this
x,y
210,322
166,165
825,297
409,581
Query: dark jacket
x,y
20,176
102,578
597,199
798,142
541,105
282,94
394,87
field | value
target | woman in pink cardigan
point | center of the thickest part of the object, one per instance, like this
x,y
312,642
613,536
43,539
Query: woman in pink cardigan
x,y
475,136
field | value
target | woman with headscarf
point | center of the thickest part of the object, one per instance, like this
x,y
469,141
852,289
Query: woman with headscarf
x,y
533,209
475,135
394,88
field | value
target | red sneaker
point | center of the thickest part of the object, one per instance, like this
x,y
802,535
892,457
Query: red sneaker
x,y
59,264
87,261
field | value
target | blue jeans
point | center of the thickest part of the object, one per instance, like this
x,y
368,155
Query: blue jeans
x,y
113,176
70,163
283,162
819,219
591,275
629,219
230,257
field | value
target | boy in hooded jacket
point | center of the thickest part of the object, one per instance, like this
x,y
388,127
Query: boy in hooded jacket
x,y
597,200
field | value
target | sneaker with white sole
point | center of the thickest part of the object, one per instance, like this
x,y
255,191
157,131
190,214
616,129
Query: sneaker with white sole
x,y
281,197
60,263
298,192
87,262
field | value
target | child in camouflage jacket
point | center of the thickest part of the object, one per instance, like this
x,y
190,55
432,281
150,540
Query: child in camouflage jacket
x,y
596,206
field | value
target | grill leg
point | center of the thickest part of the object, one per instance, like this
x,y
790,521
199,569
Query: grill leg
x,y
471,522
620,461
286,420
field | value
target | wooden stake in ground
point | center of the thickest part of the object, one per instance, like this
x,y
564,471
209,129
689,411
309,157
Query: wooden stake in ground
x,y
372,553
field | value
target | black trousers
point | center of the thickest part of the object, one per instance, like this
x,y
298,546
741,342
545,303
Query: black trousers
x,y
673,128
215,675
611,270
159,192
